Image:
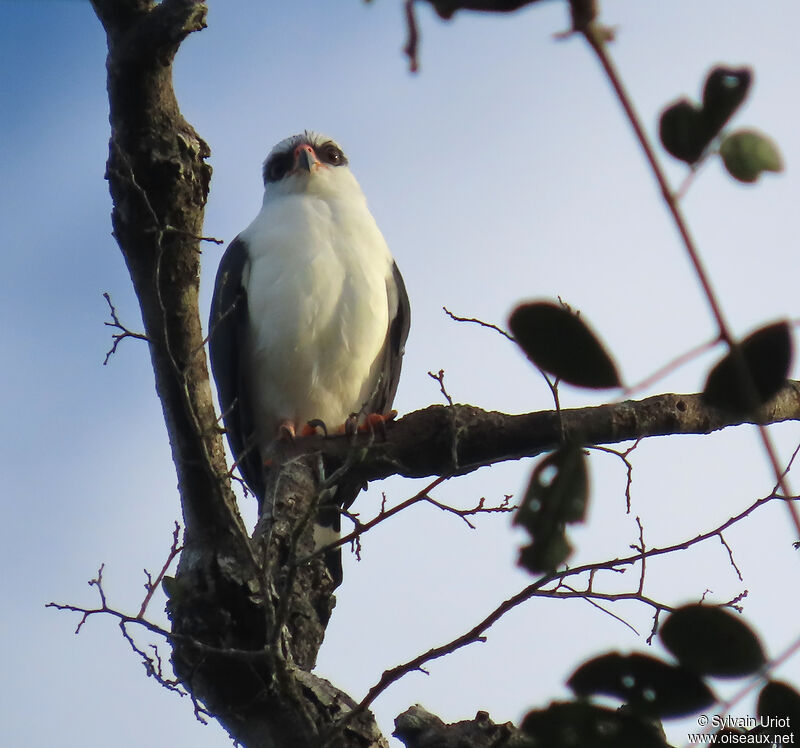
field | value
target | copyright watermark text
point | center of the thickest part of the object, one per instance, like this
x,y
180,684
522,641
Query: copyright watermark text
x,y
743,730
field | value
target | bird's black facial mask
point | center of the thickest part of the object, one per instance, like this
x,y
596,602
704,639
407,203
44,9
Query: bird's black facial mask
x,y
280,164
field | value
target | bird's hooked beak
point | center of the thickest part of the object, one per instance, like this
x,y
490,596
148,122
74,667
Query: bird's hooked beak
x,y
304,158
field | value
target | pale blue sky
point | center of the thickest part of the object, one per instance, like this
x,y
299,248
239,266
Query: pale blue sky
x,y
502,171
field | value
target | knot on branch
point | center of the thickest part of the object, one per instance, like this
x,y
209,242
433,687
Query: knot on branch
x,y
418,728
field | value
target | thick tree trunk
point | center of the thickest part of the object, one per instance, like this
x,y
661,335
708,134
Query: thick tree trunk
x,y
247,623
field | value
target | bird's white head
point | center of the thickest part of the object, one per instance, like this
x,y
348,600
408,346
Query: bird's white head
x,y
309,164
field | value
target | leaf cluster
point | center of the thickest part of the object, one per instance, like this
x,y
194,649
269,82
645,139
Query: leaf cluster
x,y
688,129
559,342
707,642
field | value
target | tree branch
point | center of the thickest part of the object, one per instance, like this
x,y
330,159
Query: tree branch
x,y
443,440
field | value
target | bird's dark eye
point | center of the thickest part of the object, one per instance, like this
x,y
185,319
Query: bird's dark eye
x,y
331,154
277,167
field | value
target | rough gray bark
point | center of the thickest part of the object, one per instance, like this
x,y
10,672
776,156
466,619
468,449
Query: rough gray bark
x,y
247,622
418,728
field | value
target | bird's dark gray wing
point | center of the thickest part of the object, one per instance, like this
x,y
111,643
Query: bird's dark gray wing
x,y
227,330
399,323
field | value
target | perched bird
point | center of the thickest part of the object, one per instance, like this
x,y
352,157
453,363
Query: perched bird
x,y
310,314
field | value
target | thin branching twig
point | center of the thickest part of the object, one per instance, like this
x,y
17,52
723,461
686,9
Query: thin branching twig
x,y
440,379
123,333
597,41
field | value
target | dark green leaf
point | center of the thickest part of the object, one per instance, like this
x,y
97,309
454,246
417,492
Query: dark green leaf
x,y
648,685
686,130
779,710
767,355
683,131
546,553
558,341
724,91
582,725
558,491
748,153
712,641
557,494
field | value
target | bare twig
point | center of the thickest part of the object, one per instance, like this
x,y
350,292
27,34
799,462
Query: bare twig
x,y
730,556
479,508
86,613
440,379
151,585
789,464
654,628
479,322
117,337
196,237
384,514
476,633
412,43
152,662
551,383
641,549
628,466
605,610
733,602
421,496
590,595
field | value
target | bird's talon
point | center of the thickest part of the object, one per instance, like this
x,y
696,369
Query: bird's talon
x,y
311,428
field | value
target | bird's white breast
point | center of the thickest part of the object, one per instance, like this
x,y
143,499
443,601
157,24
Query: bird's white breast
x,y
318,309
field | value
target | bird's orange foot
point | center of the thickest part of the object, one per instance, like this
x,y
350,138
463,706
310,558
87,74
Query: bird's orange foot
x,y
372,423
377,422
